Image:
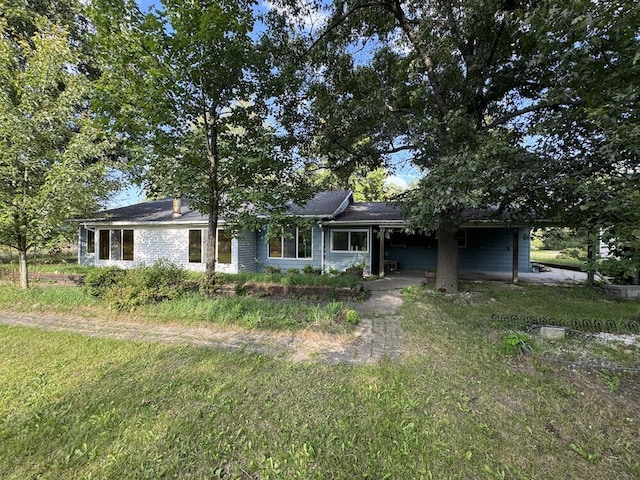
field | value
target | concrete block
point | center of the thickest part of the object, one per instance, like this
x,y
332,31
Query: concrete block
x,y
552,333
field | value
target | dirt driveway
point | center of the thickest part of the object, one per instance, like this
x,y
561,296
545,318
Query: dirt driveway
x,y
378,335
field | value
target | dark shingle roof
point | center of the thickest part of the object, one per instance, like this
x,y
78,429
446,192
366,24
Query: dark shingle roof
x,y
323,205
149,211
370,211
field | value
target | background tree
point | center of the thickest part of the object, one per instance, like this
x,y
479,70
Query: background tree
x,y
488,99
52,158
185,89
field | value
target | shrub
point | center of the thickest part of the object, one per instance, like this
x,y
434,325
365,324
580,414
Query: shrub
x,y
99,280
269,269
352,317
127,289
310,270
516,343
149,284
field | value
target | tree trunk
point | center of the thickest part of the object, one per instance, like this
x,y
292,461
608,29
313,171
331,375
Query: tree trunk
x,y
214,203
211,252
447,272
24,275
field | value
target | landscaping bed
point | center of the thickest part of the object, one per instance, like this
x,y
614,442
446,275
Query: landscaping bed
x,y
307,292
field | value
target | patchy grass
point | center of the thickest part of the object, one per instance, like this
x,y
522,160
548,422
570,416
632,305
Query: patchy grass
x,y
192,309
457,407
43,263
556,257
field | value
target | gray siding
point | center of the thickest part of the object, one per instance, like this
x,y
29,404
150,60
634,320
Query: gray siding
x,y
84,257
284,264
244,251
488,249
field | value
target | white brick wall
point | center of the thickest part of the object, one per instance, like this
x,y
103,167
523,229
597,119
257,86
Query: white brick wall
x,y
168,243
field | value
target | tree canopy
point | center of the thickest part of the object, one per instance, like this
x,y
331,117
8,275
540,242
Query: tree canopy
x,y
493,101
52,157
187,90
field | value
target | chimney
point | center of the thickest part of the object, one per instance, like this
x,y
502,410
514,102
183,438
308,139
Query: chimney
x,y
177,207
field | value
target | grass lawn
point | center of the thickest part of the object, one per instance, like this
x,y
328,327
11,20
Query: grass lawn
x,y
555,257
457,407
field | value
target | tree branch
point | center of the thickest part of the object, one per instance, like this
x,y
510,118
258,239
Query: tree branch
x,y
531,108
423,52
335,23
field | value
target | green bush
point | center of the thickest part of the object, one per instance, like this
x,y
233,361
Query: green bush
x,y
99,280
149,284
352,317
516,343
310,270
127,289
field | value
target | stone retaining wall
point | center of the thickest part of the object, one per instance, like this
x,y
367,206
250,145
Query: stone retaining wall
x,y
623,291
274,290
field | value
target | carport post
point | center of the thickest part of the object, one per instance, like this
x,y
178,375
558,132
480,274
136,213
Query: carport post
x,y
381,267
514,262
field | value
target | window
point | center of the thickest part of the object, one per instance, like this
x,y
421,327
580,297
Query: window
x,y
115,245
103,238
91,241
224,247
349,240
195,246
294,243
127,245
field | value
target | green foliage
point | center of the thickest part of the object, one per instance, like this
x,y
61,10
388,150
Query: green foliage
x,y
482,96
614,209
197,122
127,289
53,159
309,269
515,343
557,238
98,281
352,317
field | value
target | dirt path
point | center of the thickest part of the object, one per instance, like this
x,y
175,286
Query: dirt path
x,y
377,336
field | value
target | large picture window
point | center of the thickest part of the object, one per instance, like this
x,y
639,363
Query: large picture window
x,y
294,243
349,240
91,241
103,239
116,245
224,247
195,246
127,245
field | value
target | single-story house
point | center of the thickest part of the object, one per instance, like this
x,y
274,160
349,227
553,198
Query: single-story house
x,y
343,233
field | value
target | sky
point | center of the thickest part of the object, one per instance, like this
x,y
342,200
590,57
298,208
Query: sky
x,y
403,175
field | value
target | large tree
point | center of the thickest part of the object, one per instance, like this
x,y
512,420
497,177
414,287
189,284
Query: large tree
x,y
52,157
492,100
186,90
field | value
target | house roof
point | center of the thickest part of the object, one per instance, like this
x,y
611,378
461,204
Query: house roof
x,y
326,204
371,212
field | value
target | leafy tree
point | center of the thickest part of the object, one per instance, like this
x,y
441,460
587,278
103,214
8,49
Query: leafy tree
x,y
612,209
185,88
490,99
367,186
51,155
